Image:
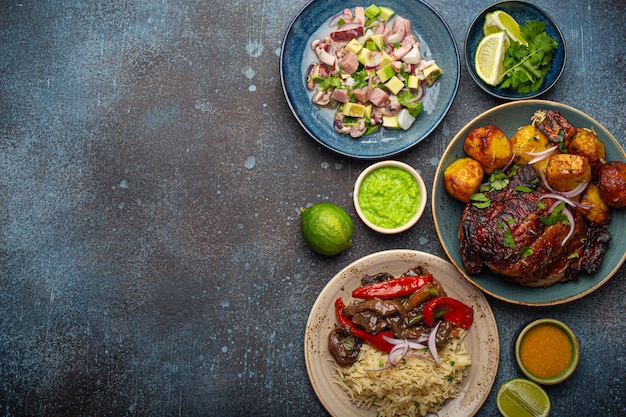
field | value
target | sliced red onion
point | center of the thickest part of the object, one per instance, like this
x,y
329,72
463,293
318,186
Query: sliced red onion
x,y
570,217
508,164
420,92
401,348
558,197
398,352
540,156
576,190
432,340
413,343
545,182
565,200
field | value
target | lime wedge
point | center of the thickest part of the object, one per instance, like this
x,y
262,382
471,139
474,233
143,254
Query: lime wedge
x,y
489,56
521,397
499,21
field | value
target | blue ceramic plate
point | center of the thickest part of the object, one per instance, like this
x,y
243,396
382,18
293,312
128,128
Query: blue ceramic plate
x,y
447,211
296,55
522,12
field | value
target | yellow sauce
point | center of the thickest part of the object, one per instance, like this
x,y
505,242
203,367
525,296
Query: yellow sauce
x,y
546,350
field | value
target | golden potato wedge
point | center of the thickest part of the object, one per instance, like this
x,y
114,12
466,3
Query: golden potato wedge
x,y
566,171
462,178
585,142
599,212
528,139
489,146
612,183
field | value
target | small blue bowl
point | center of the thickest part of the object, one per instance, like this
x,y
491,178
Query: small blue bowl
x,y
522,12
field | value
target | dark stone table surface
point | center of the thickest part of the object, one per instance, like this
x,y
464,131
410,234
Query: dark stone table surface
x,y
152,173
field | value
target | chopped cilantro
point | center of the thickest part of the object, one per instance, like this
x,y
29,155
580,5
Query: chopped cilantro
x,y
527,65
556,216
498,180
408,100
480,200
574,255
523,189
509,242
525,251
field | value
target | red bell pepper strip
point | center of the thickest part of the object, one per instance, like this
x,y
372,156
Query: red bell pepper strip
x,y
449,309
374,340
397,287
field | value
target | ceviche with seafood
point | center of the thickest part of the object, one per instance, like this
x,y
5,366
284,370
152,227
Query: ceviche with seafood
x,y
371,70
538,206
398,346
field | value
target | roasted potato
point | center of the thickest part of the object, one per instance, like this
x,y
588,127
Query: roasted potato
x,y
489,146
612,183
528,139
599,212
585,142
565,171
462,178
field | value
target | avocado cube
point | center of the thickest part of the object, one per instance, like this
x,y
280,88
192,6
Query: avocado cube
x,y
391,122
385,73
354,110
354,46
386,59
413,82
378,41
394,84
372,11
385,13
432,73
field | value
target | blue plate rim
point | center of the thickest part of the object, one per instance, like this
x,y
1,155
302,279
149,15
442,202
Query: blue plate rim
x,y
391,152
495,91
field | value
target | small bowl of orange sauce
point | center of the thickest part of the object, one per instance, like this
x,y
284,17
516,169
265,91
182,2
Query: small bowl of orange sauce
x,y
547,351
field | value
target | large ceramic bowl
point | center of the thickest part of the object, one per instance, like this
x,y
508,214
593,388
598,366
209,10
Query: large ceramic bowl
x,y
481,340
522,12
296,55
447,211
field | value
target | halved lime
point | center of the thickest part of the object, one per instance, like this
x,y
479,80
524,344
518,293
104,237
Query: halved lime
x,y
489,56
499,21
522,397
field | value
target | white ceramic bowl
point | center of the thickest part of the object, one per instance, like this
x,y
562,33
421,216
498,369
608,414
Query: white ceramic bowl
x,y
422,196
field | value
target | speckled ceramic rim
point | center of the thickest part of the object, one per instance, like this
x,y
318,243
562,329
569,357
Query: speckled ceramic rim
x,y
573,362
510,95
420,208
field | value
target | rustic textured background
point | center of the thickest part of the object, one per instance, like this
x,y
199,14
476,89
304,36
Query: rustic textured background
x,y
151,174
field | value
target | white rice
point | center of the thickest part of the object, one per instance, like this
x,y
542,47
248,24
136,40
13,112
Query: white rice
x,y
414,387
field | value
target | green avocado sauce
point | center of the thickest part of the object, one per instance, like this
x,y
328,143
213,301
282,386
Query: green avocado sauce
x,y
389,197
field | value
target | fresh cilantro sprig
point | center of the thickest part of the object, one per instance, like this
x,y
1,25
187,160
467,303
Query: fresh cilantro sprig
x,y
527,65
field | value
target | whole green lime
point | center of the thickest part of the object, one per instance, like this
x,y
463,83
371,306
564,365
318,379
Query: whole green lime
x,y
326,227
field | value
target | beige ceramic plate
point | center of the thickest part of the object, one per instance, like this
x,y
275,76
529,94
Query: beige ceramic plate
x,y
481,341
